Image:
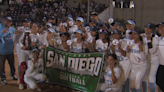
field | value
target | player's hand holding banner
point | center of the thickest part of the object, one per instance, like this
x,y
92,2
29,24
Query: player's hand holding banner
x,y
79,71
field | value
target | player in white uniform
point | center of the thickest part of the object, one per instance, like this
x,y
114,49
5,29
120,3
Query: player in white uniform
x,y
21,66
112,75
34,71
130,24
152,65
78,44
63,44
102,43
119,48
91,38
138,60
27,41
160,73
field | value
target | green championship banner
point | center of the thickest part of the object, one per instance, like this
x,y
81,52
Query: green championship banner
x,y
80,71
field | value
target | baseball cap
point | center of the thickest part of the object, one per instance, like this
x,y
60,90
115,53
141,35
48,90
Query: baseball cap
x,y
136,31
131,22
80,19
49,24
161,23
150,25
79,31
70,18
26,20
93,29
94,13
116,31
8,18
64,33
51,30
35,49
118,23
102,31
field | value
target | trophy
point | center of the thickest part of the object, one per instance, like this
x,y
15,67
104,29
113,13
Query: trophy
x,y
130,42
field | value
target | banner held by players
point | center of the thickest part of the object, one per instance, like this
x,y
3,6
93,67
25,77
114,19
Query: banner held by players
x,y
80,71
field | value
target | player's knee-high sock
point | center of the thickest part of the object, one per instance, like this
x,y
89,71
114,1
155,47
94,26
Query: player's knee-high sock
x,y
133,90
139,90
152,87
125,87
23,68
145,86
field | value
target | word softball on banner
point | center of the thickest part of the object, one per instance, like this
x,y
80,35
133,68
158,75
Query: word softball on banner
x,y
80,71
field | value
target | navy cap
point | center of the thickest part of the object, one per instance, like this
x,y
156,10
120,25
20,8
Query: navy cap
x,y
118,23
102,31
161,23
64,33
116,31
136,31
26,20
93,29
150,25
8,18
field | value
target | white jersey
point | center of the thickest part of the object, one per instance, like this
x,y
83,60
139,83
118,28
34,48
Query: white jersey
x,y
21,30
137,57
123,47
161,50
33,69
43,41
153,52
108,75
77,47
100,46
72,30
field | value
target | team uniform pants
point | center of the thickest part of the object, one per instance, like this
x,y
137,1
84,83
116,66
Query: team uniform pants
x,y
32,80
136,75
126,65
160,77
10,59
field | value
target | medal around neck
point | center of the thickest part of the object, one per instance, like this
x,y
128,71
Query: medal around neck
x,y
130,42
69,42
115,42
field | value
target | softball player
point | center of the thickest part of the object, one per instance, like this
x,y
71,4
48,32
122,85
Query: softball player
x,y
27,41
138,60
63,45
16,38
92,36
120,50
112,75
160,73
130,24
152,42
34,69
102,43
78,44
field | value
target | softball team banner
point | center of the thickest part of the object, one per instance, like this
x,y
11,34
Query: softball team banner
x,y
80,71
